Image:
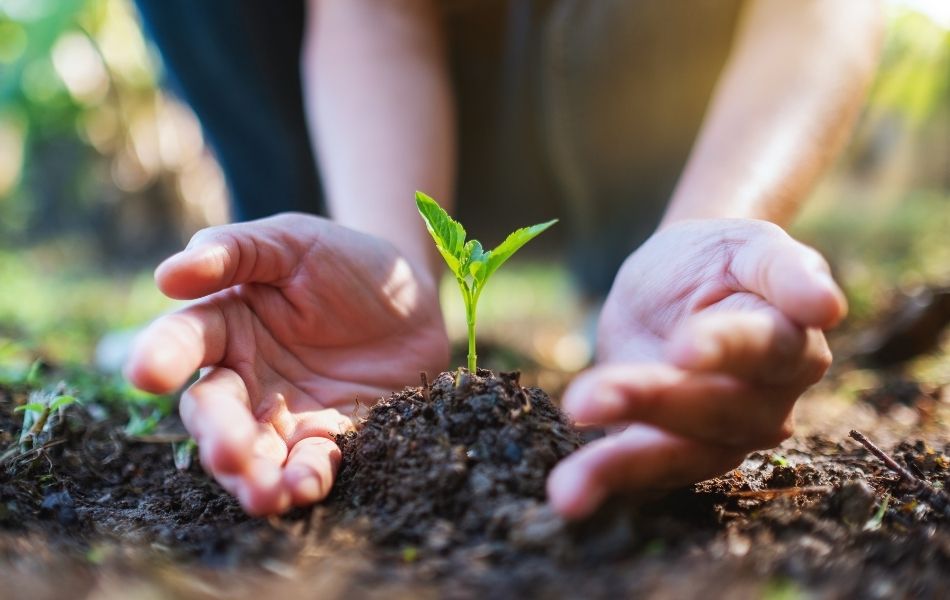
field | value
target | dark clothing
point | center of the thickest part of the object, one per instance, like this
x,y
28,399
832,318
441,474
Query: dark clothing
x,y
580,109
237,63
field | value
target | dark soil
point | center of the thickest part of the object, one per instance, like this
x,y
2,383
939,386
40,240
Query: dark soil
x,y
88,482
444,497
452,463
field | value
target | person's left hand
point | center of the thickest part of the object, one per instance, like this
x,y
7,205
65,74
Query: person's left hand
x,y
712,331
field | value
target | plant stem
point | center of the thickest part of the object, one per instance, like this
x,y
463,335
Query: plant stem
x,y
471,345
471,299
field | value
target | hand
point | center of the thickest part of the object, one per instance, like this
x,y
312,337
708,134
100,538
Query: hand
x,y
712,331
298,317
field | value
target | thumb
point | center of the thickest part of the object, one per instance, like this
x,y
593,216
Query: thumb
x,y
791,276
216,258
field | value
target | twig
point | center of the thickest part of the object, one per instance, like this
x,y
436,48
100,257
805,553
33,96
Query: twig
x,y
792,491
424,377
937,499
12,456
885,458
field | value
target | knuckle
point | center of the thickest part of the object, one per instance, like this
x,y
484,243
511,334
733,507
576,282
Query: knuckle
x,y
770,229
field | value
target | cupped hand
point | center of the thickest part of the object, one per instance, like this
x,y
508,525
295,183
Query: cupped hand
x,y
297,318
712,331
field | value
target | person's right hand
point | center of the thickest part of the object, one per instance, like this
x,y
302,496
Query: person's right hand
x,y
297,318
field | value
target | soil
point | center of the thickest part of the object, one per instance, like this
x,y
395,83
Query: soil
x,y
441,494
454,463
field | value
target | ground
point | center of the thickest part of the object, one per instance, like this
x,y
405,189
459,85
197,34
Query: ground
x,y
100,509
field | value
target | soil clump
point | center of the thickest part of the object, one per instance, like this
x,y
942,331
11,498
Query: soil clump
x,y
455,462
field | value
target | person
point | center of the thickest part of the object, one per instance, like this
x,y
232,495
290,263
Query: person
x,y
712,327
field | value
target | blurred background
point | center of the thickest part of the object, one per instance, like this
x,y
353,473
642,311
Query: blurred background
x,y
102,173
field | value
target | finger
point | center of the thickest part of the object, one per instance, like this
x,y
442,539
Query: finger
x,y
709,407
791,276
322,423
216,411
763,346
263,251
169,351
639,459
310,469
259,488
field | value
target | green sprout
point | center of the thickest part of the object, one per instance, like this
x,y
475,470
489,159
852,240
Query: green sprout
x,y
36,413
141,424
468,261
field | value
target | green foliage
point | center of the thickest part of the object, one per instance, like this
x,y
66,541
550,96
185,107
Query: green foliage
x,y
778,460
183,453
62,402
37,413
471,264
410,554
142,422
41,407
875,522
914,72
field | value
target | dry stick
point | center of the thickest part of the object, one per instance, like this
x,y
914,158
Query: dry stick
x,y
937,499
425,385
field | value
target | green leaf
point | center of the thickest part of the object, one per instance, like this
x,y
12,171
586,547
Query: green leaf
x,y
37,407
449,235
512,244
874,523
183,453
139,424
34,377
62,401
778,460
476,260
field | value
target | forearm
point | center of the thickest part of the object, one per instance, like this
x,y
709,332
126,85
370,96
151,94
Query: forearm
x,y
784,105
380,110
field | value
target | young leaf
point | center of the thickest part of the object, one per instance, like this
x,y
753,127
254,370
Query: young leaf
x,y
183,452
62,401
449,235
512,244
476,260
37,407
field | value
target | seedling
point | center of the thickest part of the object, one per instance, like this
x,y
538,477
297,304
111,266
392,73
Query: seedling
x,y
469,262
183,452
36,413
141,424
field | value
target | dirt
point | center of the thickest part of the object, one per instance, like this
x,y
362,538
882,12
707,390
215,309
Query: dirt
x,y
441,494
454,463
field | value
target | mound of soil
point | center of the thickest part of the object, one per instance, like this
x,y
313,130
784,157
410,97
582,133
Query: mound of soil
x,y
452,463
